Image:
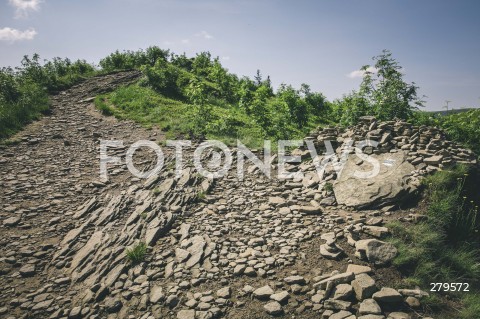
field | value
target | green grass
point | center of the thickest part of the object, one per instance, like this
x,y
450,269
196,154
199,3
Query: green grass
x,y
471,306
176,118
136,254
328,187
445,247
147,107
201,196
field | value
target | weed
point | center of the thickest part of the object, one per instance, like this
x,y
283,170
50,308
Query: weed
x,y
201,195
136,254
328,187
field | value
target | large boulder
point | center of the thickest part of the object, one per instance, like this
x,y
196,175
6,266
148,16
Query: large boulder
x,y
390,185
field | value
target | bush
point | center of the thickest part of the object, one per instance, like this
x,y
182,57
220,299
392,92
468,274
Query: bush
x,y
21,101
383,93
54,75
129,60
24,92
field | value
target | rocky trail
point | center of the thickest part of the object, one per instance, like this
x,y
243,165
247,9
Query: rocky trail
x,y
257,248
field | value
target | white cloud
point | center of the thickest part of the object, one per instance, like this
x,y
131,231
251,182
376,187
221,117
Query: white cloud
x,y
226,58
205,35
12,35
361,73
22,7
185,41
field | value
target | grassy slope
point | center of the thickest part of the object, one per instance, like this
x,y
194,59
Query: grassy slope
x,y
177,118
445,247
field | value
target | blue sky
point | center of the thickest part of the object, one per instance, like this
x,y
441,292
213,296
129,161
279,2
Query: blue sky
x,y
316,42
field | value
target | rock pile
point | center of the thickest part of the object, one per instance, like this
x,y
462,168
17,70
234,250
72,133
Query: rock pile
x,y
404,154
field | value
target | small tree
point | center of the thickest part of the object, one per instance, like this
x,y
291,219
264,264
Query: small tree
x,y
383,93
385,90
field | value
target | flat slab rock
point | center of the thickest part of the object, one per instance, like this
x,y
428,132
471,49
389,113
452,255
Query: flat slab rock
x,y
386,187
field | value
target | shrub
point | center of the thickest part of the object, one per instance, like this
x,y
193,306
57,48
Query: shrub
x,y
21,101
129,60
136,254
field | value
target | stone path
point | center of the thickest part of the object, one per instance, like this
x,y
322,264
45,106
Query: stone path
x,y
226,249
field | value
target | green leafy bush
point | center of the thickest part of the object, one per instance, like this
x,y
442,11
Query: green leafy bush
x,y
24,91
129,60
21,101
383,93
55,75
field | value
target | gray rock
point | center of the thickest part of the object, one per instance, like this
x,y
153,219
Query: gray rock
x,y
156,294
364,286
186,314
239,269
310,210
399,315
412,302
342,292
113,305
295,280
27,270
388,186
358,269
334,304
369,307
342,278
204,306
372,317
376,251
417,293
75,313
158,227
388,295
224,292
280,297
276,200
196,250
273,308
12,221
342,314
376,231
331,251
181,255
263,293
434,160
42,305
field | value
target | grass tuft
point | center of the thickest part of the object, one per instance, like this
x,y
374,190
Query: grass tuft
x,y
136,254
